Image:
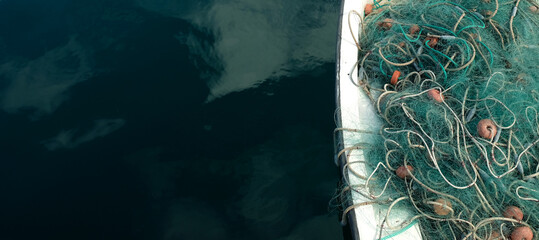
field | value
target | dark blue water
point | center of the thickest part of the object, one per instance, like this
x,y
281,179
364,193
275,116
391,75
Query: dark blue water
x,y
167,119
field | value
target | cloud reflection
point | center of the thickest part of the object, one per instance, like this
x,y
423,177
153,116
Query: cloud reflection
x,y
69,139
40,84
258,40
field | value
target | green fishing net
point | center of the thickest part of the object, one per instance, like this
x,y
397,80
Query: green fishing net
x,y
455,84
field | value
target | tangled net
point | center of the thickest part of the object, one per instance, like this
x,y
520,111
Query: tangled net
x,y
456,85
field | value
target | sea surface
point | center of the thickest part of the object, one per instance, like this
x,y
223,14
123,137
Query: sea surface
x,y
167,119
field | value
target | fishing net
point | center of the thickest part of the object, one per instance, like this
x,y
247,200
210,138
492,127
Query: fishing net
x,y
455,84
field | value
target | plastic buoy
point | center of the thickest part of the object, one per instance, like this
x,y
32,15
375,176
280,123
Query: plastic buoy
x,y
443,208
513,212
403,173
368,9
414,29
494,235
522,233
386,24
486,129
431,41
395,77
436,95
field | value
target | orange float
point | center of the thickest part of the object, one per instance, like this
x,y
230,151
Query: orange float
x,y
486,129
495,235
386,24
395,77
431,41
414,29
522,233
403,173
436,95
443,208
368,9
513,212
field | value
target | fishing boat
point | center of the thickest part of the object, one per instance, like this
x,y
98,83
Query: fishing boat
x,y
456,156
355,117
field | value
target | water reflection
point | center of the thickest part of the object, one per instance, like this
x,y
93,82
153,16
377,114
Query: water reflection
x,y
154,165
40,84
257,40
192,219
72,138
274,190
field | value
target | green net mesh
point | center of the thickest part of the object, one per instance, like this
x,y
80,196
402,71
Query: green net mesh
x,y
456,86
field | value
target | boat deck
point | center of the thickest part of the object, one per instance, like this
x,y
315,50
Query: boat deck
x,y
356,117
